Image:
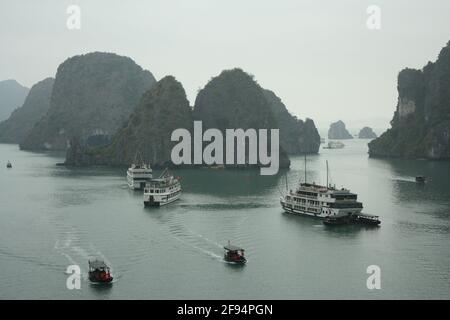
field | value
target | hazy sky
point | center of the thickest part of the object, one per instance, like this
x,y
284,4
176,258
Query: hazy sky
x,y
319,57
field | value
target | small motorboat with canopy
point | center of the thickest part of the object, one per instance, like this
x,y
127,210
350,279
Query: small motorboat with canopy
x,y
99,272
234,254
421,179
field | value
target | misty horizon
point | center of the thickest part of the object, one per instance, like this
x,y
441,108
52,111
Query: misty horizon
x,y
322,61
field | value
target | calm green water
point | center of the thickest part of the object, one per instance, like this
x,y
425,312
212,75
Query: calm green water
x,y
51,217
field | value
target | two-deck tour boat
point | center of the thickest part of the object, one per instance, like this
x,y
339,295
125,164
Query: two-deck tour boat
x,y
234,254
320,201
326,202
99,272
163,190
139,173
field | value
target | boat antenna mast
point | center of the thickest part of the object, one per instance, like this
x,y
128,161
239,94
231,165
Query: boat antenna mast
x,y
327,174
138,159
305,167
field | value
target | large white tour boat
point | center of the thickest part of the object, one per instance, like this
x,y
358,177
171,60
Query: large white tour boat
x,y
163,190
321,201
138,174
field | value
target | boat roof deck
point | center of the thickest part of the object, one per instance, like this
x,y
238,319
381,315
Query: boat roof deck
x,y
322,189
97,264
161,183
231,247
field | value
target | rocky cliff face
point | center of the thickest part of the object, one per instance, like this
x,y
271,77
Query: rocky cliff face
x,y
296,136
22,120
338,131
93,95
234,100
420,127
367,133
161,110
12,96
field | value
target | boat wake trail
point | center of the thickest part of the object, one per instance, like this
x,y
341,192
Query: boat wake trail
x,y
193,239
405,179
207,252
225,206
205,238
71,249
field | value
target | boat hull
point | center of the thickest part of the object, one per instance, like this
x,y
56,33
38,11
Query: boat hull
x,y
94,279
351,220
242,260
151,201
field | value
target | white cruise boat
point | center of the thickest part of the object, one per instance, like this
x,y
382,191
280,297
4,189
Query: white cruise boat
x,y
321,201
138,174
163,190
334,145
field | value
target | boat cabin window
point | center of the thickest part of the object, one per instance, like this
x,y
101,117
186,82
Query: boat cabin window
x,y
344,196
305,193
346,205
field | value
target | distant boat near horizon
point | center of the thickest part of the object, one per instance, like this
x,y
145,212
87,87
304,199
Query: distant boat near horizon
x,y
334,145
421,179
9,165
337,206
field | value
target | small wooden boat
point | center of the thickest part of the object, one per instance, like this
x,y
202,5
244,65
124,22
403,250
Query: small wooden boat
x,y
99,272
9,165
365,219
234,254
360,218
334,145
421,179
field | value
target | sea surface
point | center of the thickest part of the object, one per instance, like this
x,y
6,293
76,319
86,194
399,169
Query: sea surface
x,y
52,217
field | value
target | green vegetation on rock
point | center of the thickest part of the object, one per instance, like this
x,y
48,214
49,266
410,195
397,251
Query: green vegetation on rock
x,y
12,96
338,131
234,99
367,133
420,127
161,110
22,120
296,136
93,95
